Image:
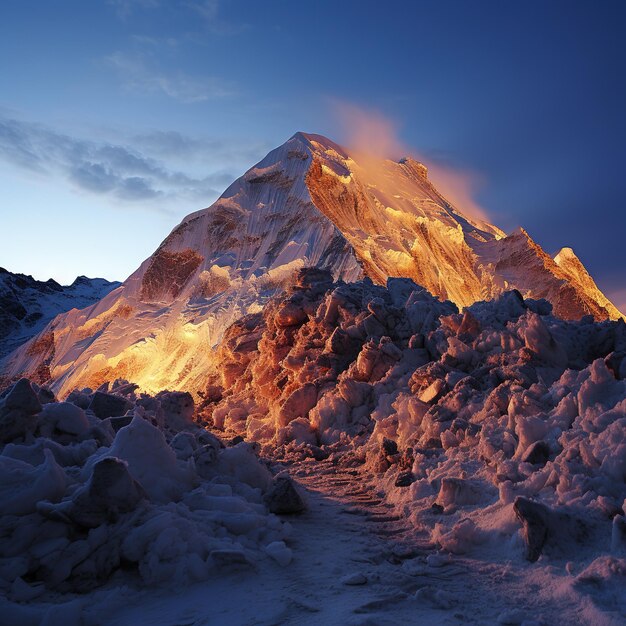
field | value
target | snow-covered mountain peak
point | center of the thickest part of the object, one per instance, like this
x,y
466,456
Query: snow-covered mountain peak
x,y
309,202
27,304
564,255
416,168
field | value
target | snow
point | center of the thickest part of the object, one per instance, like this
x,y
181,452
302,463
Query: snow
x,y
161,496
355,450
497,432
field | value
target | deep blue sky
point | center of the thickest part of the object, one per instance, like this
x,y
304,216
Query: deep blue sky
x,y
118,118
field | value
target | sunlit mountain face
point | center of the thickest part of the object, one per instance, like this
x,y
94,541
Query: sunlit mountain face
x,y
309,202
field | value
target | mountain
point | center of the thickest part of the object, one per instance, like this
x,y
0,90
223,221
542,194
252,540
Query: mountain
x,y
27,305
309,202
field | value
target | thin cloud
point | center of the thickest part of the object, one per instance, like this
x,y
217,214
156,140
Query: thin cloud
x,y
137,74
125,8
103,168
209,11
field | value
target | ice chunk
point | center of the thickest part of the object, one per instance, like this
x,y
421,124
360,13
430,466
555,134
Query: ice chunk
x,y
22,486
279,552
241,463
63,417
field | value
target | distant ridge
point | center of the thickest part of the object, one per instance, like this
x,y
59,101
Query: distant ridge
x,y
27,305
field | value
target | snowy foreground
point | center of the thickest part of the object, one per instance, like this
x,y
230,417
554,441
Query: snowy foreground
x,y
452,467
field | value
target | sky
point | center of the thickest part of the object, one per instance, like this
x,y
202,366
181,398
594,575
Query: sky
x,y
119,117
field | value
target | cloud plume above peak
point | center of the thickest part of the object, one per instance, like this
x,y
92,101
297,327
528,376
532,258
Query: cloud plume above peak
x,y
372,135
368,132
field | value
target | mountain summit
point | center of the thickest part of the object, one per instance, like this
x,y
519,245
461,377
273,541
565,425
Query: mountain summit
x,y
309,202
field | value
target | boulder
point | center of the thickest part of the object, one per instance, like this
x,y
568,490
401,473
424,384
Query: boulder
x,y
537,453
535,525
18,409
109,405
205,458
119,422
62,418
404,479
178,409
543,526
283,498
23,397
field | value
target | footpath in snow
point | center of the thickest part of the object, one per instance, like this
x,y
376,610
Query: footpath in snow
x,y
355,562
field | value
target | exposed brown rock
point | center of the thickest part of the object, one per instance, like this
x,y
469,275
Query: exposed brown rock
x,y
168,273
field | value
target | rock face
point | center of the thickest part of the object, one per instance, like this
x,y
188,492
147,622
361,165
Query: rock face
x,y
307,203
27,305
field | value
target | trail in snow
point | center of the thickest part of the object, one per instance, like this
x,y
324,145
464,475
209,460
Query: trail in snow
x,y
348,550
355,562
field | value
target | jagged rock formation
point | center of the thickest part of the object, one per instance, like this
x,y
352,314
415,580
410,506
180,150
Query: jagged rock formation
x,y
477,421
497,433
27,305
308,203
320,359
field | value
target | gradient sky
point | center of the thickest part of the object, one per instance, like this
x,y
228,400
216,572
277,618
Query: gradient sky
x,y
118,118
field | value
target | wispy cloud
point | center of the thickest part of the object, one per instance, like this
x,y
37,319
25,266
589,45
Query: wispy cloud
x,y
209,13
139,75
126,172
125,8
